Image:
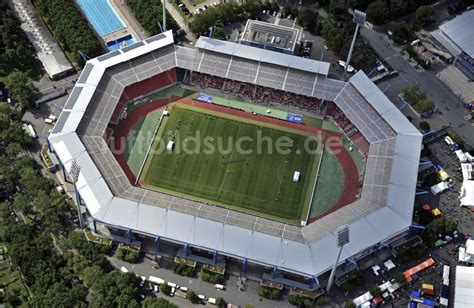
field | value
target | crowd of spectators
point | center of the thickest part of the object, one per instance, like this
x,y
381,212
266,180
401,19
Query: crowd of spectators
x,y
256,93
339,117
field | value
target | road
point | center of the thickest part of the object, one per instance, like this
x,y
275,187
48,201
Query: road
x,y
231,294
179,20
428,82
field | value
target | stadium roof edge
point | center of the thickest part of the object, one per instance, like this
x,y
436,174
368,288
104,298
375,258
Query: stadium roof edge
x,y
262,55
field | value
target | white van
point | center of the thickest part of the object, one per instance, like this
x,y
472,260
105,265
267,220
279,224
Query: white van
x,y
212,301
48,121
52,117
184,289
219,286
342,63
172,284
202,297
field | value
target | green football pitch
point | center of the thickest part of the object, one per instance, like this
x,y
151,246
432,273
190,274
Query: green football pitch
x,y
212,169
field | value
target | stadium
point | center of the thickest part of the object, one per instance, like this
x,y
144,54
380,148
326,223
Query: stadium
x,y
278,212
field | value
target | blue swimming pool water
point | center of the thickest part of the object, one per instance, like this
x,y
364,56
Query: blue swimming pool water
x,y
121,42
101,16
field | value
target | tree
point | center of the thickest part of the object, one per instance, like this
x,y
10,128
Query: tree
x,y
349,304
165,289
424,126
308,19
400,278
220,302
377,12
219,33
423,16
401,32
149,13
424,105
192,297
22,203
20,88
375,291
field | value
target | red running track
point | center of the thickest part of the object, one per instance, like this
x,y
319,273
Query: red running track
x,y
351,175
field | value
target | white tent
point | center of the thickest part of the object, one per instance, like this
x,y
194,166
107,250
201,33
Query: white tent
x,y
460,154
358,302
389,264
439,188
467,172
464,287
467,194
469,157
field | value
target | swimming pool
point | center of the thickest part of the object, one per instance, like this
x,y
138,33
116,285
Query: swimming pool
x,y
121,42
101,16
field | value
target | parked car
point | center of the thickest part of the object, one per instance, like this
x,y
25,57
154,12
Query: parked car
x,y
307,48
350,69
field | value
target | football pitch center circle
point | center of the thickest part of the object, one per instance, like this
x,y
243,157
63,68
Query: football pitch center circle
x,y
237,167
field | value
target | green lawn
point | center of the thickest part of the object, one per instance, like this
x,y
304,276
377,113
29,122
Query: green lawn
x,y
138,140
256,183
330,184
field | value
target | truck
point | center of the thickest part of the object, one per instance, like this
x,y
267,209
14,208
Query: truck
x,y
156,280
29,129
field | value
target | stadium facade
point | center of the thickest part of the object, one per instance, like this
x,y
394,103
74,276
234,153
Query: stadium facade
x,y
381,214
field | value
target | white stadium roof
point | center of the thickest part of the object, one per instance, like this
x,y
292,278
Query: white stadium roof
x,y
383,210
460,30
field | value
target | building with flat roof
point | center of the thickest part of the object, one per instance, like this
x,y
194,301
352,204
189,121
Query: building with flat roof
x,y
456,36
381,215
270,36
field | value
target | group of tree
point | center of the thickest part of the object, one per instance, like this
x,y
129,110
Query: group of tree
x,y
21,183
337,37
66,272
309,19
383,11
183,270
18,63
149,13
270,293
300,301
15,50
128,255
229,12
403,32
211,277
69,27
417,99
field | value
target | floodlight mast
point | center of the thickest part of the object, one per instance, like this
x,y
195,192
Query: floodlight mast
x,y
342,234
359,19
74,176
164,15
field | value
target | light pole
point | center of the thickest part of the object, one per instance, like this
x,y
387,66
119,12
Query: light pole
x,y
74,175
342,234
359,19
164,15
